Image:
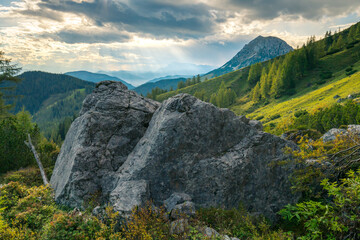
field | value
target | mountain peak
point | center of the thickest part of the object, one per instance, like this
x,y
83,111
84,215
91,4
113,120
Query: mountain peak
x,y
259,49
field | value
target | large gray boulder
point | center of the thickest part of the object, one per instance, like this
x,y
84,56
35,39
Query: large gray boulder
x,y
216,157
111,122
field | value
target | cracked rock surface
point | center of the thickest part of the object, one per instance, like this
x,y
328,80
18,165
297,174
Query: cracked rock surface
x,y
111,122
190,148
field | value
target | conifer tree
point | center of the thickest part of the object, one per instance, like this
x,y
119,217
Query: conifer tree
x,y
256,93
7,75
254,73
180,85
264,84
198,79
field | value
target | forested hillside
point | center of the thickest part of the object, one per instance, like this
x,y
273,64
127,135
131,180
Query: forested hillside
x,y
50,98
38,87
262,88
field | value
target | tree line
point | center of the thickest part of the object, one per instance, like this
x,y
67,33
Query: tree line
x,y
280,76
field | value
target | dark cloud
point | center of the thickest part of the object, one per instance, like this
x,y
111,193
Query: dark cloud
x,y
81,36
309,9
149,17
43,13
177,19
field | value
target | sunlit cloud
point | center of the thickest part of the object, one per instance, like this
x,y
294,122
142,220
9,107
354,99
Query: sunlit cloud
x,y
137,35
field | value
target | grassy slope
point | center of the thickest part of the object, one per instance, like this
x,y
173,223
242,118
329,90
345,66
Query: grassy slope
x,y
311,92
321,97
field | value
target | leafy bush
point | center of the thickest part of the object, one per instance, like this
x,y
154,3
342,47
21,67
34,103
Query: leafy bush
x,y
325,119
351,72
276,116
300,113
337,219
238,223
29,177
319,160
147,223
14,154
72,226
34,210
326,75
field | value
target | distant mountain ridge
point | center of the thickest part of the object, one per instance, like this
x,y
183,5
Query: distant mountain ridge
x,y
259,49
165,84
96,77
170,77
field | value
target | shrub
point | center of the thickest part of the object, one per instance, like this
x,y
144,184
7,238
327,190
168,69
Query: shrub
x,y
72,226
238,223
10,194
29,177
300,113
9,233
325,119
351,72
337,219
326,75
321,160
276,116
34,210
349,69
147,223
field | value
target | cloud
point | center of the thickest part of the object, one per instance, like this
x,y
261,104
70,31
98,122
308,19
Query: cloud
x,y
72,36
308,9
139,35
159,19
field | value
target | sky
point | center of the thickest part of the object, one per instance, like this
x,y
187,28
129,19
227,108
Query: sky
x,y
149,35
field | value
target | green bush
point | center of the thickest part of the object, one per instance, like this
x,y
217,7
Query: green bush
x,y
72,226
14,154
336,218
326,118
326,75
29,177
300,113
276,116
34,210
238,223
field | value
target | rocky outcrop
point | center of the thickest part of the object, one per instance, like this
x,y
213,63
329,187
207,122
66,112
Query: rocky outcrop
x,y
259,49
192,154
335,132
111,123
216,157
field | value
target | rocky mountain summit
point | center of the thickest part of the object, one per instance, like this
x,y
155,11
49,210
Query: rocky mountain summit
x,y
127,150
259,49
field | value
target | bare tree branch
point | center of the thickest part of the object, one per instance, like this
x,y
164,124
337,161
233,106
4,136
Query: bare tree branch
x,y
32,148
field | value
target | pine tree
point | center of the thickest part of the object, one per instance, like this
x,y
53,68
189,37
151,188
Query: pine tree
x,y
256,93
254,73
277,84
193,80
264,85
7,75
180,85
213,99
352,33
198,80
340,42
